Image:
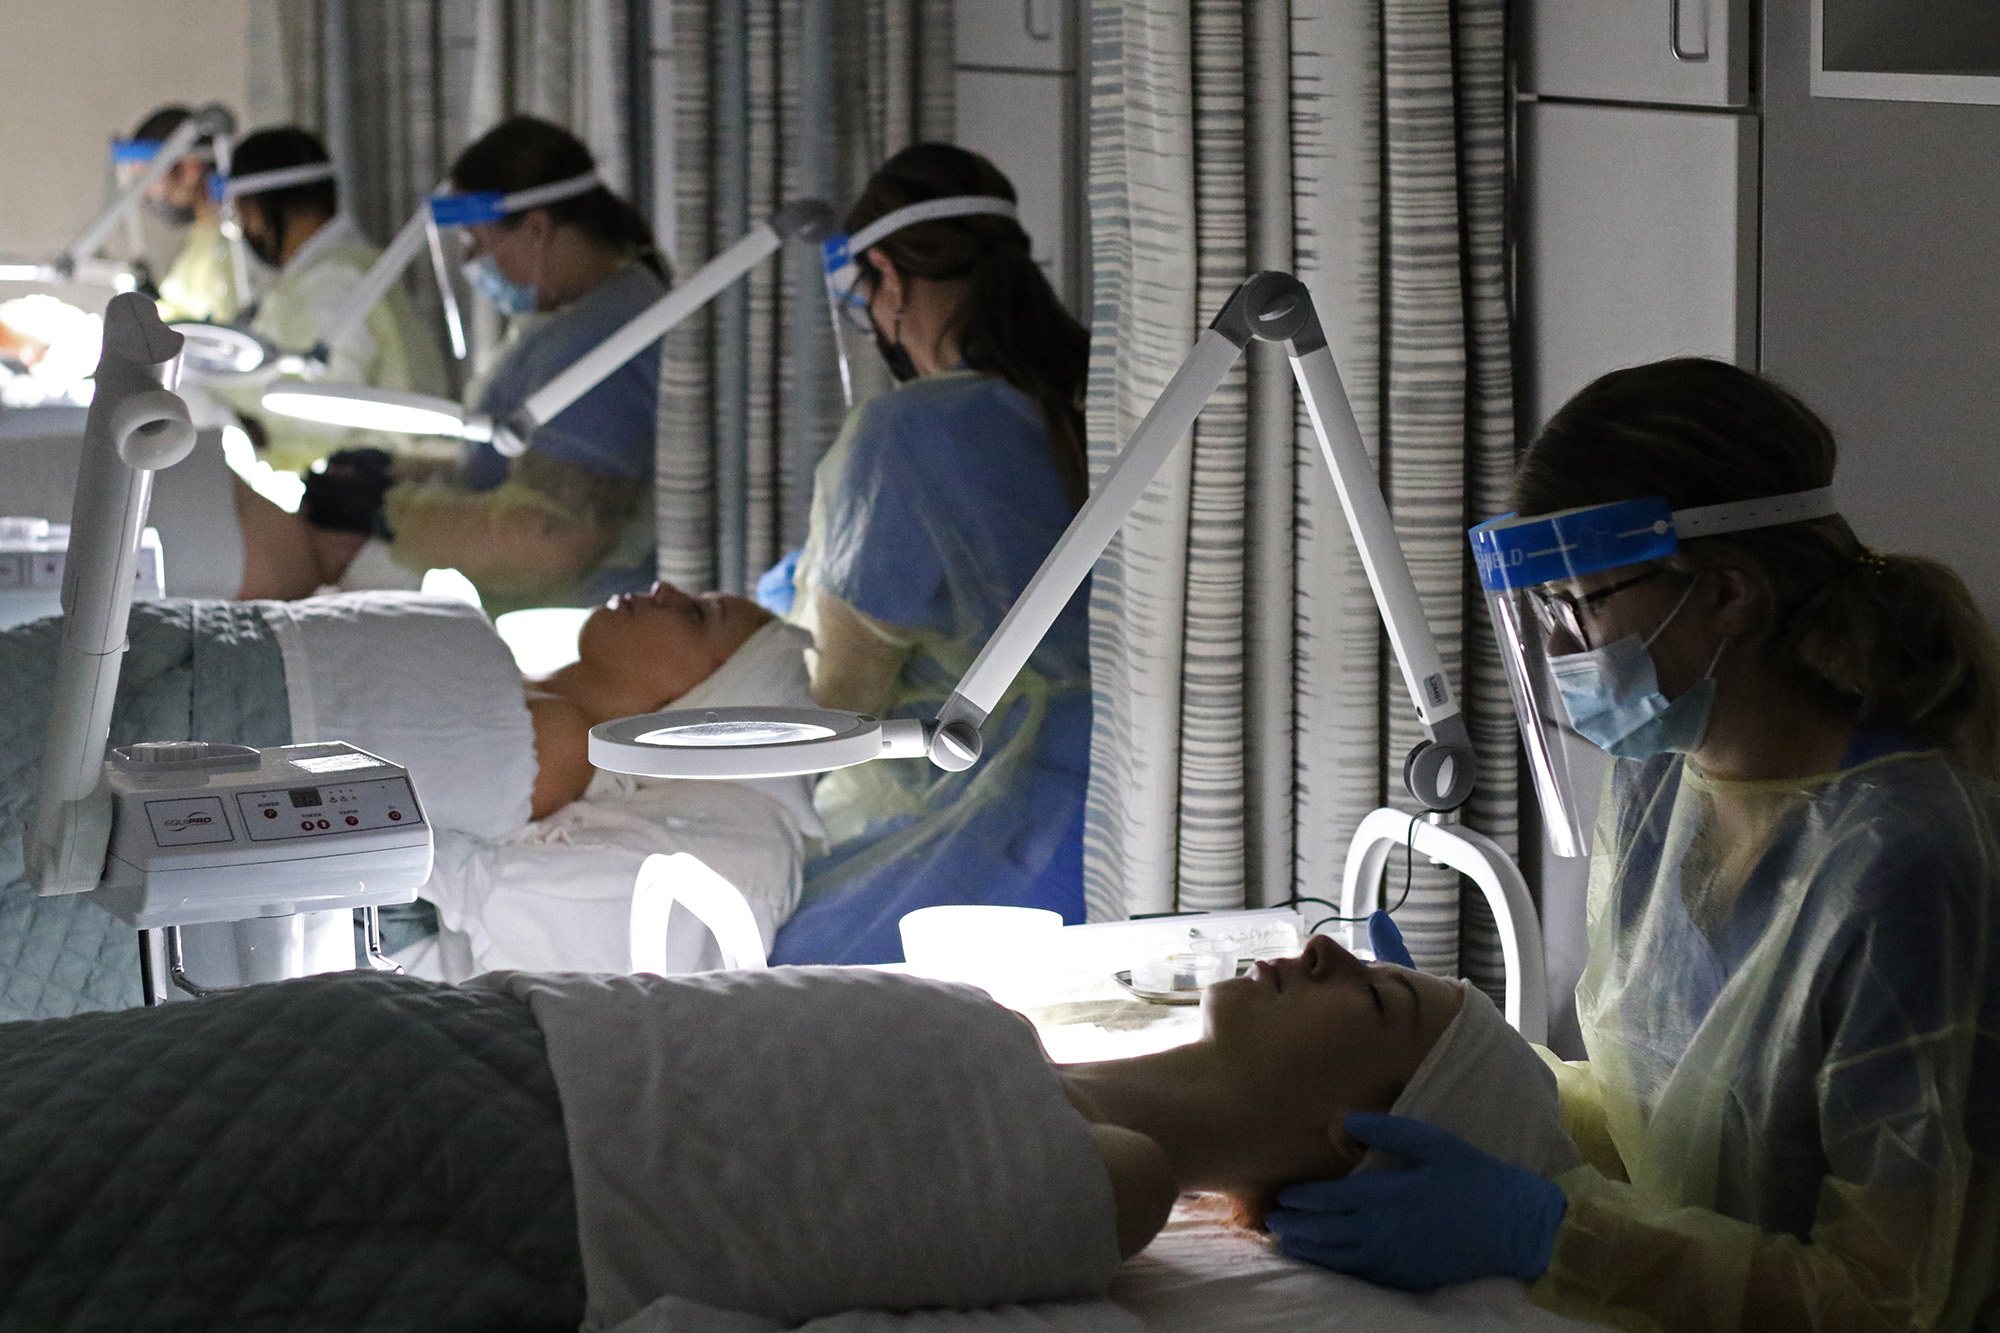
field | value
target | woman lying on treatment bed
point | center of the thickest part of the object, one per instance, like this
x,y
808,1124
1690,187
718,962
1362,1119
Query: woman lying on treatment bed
x,y
637,653
747,1150
535,856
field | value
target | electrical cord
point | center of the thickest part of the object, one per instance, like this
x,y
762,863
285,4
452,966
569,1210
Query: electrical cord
x,y
1409,878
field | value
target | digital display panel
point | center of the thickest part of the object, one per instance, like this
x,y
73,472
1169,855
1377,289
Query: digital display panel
x,y
304,798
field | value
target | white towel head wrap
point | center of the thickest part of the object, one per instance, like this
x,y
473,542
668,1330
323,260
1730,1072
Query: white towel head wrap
x,y
1484,1083
768,670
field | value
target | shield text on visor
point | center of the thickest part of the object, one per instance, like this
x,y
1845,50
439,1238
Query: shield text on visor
x,y
1525,566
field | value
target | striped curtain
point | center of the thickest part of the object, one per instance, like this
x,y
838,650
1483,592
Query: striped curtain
x,y
1247,713
773,100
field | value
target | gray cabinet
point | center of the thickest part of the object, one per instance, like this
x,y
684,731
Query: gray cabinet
x,y
1019,105
1013,34
1025,123
1638,230
1680,52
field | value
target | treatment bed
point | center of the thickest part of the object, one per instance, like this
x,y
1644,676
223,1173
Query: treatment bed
x,y
737,1153
420,680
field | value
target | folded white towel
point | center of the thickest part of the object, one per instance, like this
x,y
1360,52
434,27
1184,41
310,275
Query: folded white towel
x,y
423,681
800,1142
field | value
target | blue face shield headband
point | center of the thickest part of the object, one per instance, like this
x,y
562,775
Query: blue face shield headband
x,y
478,207
1561,680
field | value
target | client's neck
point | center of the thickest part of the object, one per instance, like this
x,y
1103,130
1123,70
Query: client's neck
x,y
1201,1114
602,694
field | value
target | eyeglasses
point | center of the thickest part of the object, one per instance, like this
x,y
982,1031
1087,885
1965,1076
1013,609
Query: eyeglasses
x,y
1564,611
851,305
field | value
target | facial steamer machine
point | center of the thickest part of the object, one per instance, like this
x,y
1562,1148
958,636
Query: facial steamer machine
x,y
235,864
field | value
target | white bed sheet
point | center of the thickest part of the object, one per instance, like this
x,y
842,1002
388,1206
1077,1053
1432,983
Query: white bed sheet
x,y
557,895
1206,1275
1203,1275
426,681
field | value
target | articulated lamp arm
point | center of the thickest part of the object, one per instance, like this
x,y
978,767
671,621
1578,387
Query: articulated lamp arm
x,y
397,411
1270,307
804,219
210,120
353,309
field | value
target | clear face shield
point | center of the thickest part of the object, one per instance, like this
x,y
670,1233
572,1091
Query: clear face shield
x,y
1547,576
455,214
847,292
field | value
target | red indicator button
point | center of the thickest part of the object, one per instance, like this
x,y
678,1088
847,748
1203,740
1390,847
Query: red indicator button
x,y
352,821
395,814
323,824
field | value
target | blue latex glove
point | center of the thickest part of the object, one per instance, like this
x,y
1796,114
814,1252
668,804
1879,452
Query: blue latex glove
x,y
1387,941
1456,1213
777,588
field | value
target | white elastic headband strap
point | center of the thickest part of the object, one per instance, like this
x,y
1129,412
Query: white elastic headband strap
x,y
958,206
554,192
279,178
1742,515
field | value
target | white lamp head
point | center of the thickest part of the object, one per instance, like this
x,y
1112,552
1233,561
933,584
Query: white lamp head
x,y
224,357
736,743
393,411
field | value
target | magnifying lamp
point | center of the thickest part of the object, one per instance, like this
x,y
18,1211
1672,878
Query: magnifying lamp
x,y
1439,772
223,356
807,220
1271,307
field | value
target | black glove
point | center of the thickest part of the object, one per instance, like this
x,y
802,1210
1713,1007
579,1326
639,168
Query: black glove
x,y
344,492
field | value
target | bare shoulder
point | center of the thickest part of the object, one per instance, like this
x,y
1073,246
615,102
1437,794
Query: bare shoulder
x,y
562,752
1143,1187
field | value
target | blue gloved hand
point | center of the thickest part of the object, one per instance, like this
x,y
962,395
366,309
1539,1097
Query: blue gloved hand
x,y
1456,1213
777,587
1387,941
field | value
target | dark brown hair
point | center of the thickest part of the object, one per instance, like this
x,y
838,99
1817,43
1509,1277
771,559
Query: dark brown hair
x,y
1896,636
522,152
286,146
1011,323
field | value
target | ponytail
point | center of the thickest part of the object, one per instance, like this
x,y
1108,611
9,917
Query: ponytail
x,y
1011,323
1901,636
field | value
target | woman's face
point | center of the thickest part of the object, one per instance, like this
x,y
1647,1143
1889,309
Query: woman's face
x,y
667,639
1324,1033
1673,610
518,245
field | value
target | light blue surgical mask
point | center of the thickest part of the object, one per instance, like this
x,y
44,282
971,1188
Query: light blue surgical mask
x,y
1612,695
506,295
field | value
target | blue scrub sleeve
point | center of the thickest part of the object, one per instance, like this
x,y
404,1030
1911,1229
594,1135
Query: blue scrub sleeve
x,y
882,553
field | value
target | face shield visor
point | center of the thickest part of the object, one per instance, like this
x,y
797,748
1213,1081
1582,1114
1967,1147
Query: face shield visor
x,y
129,157
460,211
129,160
1546,580
846,276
